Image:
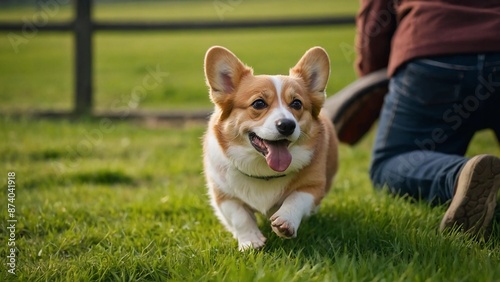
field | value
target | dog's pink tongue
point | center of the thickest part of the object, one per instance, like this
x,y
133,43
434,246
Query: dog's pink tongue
x,y
278,157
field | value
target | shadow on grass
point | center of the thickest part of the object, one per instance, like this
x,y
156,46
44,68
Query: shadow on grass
x,y
104,177
360,234
47,155
97,177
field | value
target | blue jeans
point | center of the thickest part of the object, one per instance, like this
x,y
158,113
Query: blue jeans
x,y
433,108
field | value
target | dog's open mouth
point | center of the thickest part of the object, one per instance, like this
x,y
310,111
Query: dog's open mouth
x,y
276,152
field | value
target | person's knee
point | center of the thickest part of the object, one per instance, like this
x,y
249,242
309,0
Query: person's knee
x,y
376,174
383,173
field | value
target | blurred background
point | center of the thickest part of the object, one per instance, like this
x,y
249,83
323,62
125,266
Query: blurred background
x,y
101,199
37,69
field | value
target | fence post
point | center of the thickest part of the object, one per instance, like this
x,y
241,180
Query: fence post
x,y
83,57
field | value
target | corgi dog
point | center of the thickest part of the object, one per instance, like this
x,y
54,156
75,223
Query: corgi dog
x,y
268,147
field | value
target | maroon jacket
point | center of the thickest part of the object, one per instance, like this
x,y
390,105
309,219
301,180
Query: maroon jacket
x,y
389,34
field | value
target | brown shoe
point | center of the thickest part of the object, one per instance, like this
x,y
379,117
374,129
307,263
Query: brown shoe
x,y
475,199
355,108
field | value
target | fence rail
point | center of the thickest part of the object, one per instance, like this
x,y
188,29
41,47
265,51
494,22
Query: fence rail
x,y
83,27
177,25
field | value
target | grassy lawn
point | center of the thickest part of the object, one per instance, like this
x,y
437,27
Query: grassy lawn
x,y
40,74
101,200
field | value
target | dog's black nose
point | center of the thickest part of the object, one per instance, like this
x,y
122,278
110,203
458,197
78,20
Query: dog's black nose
x,y
285,126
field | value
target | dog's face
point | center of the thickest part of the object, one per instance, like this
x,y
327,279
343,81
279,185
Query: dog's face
x,y
265,122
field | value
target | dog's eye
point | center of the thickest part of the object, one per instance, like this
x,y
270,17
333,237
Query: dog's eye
x,y
296,104
259,104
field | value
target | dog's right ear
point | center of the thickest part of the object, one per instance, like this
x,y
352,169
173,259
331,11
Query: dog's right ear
x,y
223,72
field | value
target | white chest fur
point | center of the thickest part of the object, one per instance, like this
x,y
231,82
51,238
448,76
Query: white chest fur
x,y
262,195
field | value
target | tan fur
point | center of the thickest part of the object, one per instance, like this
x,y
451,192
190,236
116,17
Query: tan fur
x,y
317,177
233,89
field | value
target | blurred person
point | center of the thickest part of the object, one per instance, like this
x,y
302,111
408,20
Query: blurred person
x,y
443,60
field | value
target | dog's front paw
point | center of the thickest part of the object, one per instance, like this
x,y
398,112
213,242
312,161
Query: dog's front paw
x,y
251,241
283,227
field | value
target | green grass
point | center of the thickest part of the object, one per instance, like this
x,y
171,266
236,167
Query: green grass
x,y
40,74
179,10
98,201
48,83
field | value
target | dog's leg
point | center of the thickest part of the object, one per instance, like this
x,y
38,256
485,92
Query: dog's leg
x,y
241,221
285,222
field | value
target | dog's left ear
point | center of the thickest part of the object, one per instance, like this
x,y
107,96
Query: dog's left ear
x,y
314,69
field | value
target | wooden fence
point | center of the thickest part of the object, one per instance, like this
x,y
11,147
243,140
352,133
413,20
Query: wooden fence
x,y
83,27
